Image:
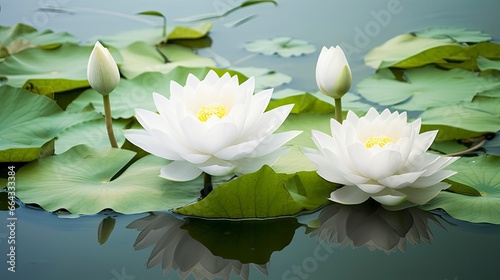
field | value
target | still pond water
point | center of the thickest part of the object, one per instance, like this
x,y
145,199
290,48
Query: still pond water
x,y
360,242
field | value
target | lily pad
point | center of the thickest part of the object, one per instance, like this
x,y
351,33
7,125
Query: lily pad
x,y
140,57
264,78
487,64
459,35
262,194
482,174
82,182
19,37
28,121
92,133
62,69
424,88
283,46
405,46
459,122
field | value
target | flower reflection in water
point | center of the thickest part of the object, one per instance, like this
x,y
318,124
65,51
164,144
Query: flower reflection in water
x,y
210,249
370,225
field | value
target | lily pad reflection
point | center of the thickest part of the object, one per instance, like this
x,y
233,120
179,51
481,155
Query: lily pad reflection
x,y
209,249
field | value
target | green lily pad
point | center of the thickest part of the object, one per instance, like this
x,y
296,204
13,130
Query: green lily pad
x,y
487,64
19,37
92,133
82,182
62,69
303,103
459,122
28,121
459,35
283,46
264,78
140,57
405,46
425,87
262,194
481,173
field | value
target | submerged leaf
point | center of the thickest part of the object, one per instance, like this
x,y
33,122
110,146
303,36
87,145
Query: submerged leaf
x,y
82,182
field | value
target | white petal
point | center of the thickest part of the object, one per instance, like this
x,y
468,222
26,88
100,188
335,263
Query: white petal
x,y
349,195
424,182
421,196
150,144
370,188
180,171
391,199
400,180
249,165
217,167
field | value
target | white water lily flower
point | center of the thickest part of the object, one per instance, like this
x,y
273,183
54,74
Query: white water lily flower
x,y
333,74
215,126
380,156
102,72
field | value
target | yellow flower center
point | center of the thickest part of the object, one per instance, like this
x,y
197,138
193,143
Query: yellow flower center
x,y
378,140
206,112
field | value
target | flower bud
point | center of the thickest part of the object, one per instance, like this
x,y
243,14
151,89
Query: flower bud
x,y
102,72
333,75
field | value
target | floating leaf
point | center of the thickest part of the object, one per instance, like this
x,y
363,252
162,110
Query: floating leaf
x,y
67,63
264,78
19,37
283,46
227,11
405,46
459,122
425,87
28,121
303,103
459,35
480,173
487,64
192,32
82,182
262,194
140,57
92,133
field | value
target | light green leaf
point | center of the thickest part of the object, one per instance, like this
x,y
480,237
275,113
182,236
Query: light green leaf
x,y
262,194
140,57
264,78
459,122
423,50
192,32
92,133
459,35
28,121
425,87
82,181
303,103
19,37
487,64
283,46
152,13
67,63
228,11
480,173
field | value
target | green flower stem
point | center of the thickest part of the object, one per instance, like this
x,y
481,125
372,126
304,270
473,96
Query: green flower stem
x,y
338,110
207,185
109,122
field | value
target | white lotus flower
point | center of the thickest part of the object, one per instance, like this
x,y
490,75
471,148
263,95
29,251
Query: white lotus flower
x,y
380,156
215,126
102,72
333,75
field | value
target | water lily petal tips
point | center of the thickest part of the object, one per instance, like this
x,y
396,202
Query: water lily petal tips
x,y
102,71
333,74
381,156
215,126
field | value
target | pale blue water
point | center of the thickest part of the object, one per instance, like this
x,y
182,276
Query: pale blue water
x,y
49,247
